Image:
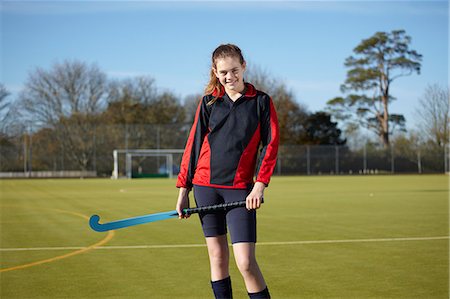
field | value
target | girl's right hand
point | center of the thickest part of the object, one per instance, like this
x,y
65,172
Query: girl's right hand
x,y
183,202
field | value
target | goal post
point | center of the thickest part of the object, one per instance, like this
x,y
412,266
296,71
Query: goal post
x,y
125,168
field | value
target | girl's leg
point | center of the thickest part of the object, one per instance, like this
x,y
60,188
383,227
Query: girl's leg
x,y
218,257
244,254
219,260
242,225
214,229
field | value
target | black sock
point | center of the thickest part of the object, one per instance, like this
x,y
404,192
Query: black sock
x,y
222,288
264,294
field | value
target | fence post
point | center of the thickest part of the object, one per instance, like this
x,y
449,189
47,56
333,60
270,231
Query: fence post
x,y
446,160
336,159
392,158
308,161
24,153
94,162
419,162
63,153
30,154
279,165
126,136
365,158
158,132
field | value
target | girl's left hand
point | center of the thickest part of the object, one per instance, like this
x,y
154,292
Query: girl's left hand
x,y
255,198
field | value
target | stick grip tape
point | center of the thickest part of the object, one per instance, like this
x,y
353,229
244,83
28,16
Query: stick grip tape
x,y
215,208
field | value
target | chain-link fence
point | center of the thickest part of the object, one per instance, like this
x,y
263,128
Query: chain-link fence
x,y
90,148
365,160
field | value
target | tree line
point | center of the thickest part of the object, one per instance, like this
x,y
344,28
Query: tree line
x,y
73,106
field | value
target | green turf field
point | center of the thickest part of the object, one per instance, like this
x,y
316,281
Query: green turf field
x,y
319,237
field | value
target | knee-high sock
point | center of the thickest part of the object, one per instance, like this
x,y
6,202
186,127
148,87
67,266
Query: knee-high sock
x,y
264,294
222,288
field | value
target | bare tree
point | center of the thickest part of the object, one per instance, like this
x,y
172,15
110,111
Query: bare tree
x,y
433,114
190,104
140,89
67,98
262,79
291,115
4,106
66,89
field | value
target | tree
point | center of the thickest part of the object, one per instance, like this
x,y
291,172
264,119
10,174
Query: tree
x,y
65,89
4,110
68,99
139,117
140,89
433,114
320,130
146,118
190,104
379,61
290,114
7,148
127,100
166,109
4,93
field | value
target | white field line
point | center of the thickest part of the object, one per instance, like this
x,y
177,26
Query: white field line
x,y
258,244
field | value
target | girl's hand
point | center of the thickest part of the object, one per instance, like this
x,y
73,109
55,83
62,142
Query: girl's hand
x,y
183,202
255,198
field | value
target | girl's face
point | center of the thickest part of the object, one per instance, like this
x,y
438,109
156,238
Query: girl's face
x,y
230,73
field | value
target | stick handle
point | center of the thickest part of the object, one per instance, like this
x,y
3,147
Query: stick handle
x,y
214,208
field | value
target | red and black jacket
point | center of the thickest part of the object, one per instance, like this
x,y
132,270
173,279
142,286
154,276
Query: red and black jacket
x,y
223,143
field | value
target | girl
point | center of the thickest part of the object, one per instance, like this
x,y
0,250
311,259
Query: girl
x,y
219,162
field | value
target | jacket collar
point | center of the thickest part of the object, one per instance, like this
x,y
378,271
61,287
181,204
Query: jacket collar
x,y
249,92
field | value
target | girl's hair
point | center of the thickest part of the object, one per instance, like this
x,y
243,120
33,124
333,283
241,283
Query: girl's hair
x,y
222,51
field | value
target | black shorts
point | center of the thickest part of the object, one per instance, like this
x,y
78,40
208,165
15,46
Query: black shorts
x,y
240,221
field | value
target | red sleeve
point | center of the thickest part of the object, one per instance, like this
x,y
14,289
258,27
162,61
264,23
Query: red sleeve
x,y
193,146
270,139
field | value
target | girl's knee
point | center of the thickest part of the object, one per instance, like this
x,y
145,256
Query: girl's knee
x,y
246,264
218,253
219,259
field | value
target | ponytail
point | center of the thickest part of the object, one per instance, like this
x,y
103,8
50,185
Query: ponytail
x,y
213,86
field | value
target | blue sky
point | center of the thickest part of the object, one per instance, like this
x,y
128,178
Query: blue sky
x,y
303,43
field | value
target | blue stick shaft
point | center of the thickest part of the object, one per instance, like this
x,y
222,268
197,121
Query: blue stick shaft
x,y
93,221
95,225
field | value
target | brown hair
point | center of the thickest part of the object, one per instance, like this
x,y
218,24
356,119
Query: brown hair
x,y
222,51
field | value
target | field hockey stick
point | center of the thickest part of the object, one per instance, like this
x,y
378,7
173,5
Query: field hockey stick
x,y
95,225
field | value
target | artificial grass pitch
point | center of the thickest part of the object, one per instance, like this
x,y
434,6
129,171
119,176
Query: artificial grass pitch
x,y
318,237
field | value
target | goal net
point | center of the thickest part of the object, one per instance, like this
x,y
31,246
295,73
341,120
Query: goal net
x,y
139,163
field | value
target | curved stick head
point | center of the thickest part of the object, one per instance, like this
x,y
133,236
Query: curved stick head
x,y
94,223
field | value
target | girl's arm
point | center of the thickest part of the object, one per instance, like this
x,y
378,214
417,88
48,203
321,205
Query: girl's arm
x,y
182,202
193,146
268,157
269,139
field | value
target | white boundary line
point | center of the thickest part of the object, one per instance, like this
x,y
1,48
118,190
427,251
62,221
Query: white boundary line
x,y
258,244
